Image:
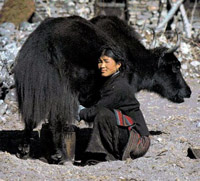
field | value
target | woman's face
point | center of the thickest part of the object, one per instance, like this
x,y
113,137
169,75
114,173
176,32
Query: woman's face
x,y
108,66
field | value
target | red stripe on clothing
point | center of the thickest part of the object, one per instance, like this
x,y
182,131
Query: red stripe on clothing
x,y
139,139
129,120
120,117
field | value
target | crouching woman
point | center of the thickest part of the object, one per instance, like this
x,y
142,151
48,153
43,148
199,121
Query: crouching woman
x,y
119,129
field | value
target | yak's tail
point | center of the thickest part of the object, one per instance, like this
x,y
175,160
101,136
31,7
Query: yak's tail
x,y
43,89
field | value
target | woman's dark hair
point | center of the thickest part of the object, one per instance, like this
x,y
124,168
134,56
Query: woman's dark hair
x,y
115,53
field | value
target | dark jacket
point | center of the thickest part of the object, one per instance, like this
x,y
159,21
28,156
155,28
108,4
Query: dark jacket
x,y
117,94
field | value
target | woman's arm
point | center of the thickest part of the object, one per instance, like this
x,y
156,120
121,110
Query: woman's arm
x,y
114,97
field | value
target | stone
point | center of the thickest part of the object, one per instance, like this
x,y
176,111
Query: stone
x,y
83,1
198,124
143,17
13,49
71,10
10,96
10,64
152,8
147,14
71,3
183,139
6,55
2,119
185,48
10,82
196,25
5,32
3,107
3,74
8,25
184,66
25,26
195,63
140,22
159,139
4,40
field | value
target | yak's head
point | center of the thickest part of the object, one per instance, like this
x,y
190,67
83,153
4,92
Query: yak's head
x,y
167,79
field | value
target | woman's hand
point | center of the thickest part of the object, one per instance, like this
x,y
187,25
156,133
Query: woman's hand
x,y
80,107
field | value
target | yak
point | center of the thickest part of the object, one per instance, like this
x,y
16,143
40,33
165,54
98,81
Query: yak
x,y
56,70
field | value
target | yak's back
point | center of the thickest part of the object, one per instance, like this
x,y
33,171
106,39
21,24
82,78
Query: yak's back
x,y
125,36
117,29
49,61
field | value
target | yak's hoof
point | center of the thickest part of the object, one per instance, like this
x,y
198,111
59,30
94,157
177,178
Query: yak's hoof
x,y
23,151
58,158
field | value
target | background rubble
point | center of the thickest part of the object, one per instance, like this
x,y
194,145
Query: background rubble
x,y
167,157
12,38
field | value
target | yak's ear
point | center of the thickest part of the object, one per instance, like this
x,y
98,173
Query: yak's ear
x,y
161,60
176,68
159,54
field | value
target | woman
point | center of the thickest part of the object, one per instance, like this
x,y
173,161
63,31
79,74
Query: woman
x,y
119,128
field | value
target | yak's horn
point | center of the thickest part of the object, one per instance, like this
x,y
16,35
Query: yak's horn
x,y
173,49
154,39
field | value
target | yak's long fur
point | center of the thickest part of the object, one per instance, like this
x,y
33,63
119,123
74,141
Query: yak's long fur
x,y
57,62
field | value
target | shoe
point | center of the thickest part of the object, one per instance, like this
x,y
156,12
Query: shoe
x,y
194,153
93,159
90,162
129,146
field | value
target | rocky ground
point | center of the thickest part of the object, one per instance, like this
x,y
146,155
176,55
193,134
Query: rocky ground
x,y
174,127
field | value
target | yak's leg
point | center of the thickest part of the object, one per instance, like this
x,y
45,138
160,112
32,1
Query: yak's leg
x,y
69,141
24,147
58,155
63,142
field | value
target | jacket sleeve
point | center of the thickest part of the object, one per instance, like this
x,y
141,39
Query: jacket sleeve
x,y
109,99
113,98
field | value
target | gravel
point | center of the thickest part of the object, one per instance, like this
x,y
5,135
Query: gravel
x,y
174,127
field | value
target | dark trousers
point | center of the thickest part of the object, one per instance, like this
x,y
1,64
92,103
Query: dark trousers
x,y
110,140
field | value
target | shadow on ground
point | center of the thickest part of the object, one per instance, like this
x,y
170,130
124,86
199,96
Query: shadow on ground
x,y
41,142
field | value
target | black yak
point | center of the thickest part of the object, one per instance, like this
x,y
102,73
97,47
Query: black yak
x,y
156,70
56,69
56,66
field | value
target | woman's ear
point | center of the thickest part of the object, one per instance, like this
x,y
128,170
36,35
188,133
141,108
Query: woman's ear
x,y
119,65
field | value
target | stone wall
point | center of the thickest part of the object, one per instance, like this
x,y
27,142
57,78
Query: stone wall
x,y
1,3
56,8
146,12
141,12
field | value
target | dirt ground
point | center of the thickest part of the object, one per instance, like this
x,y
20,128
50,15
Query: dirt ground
x,y
174,128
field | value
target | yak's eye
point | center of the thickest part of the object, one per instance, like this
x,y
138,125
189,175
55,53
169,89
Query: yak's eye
x,y
176,68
